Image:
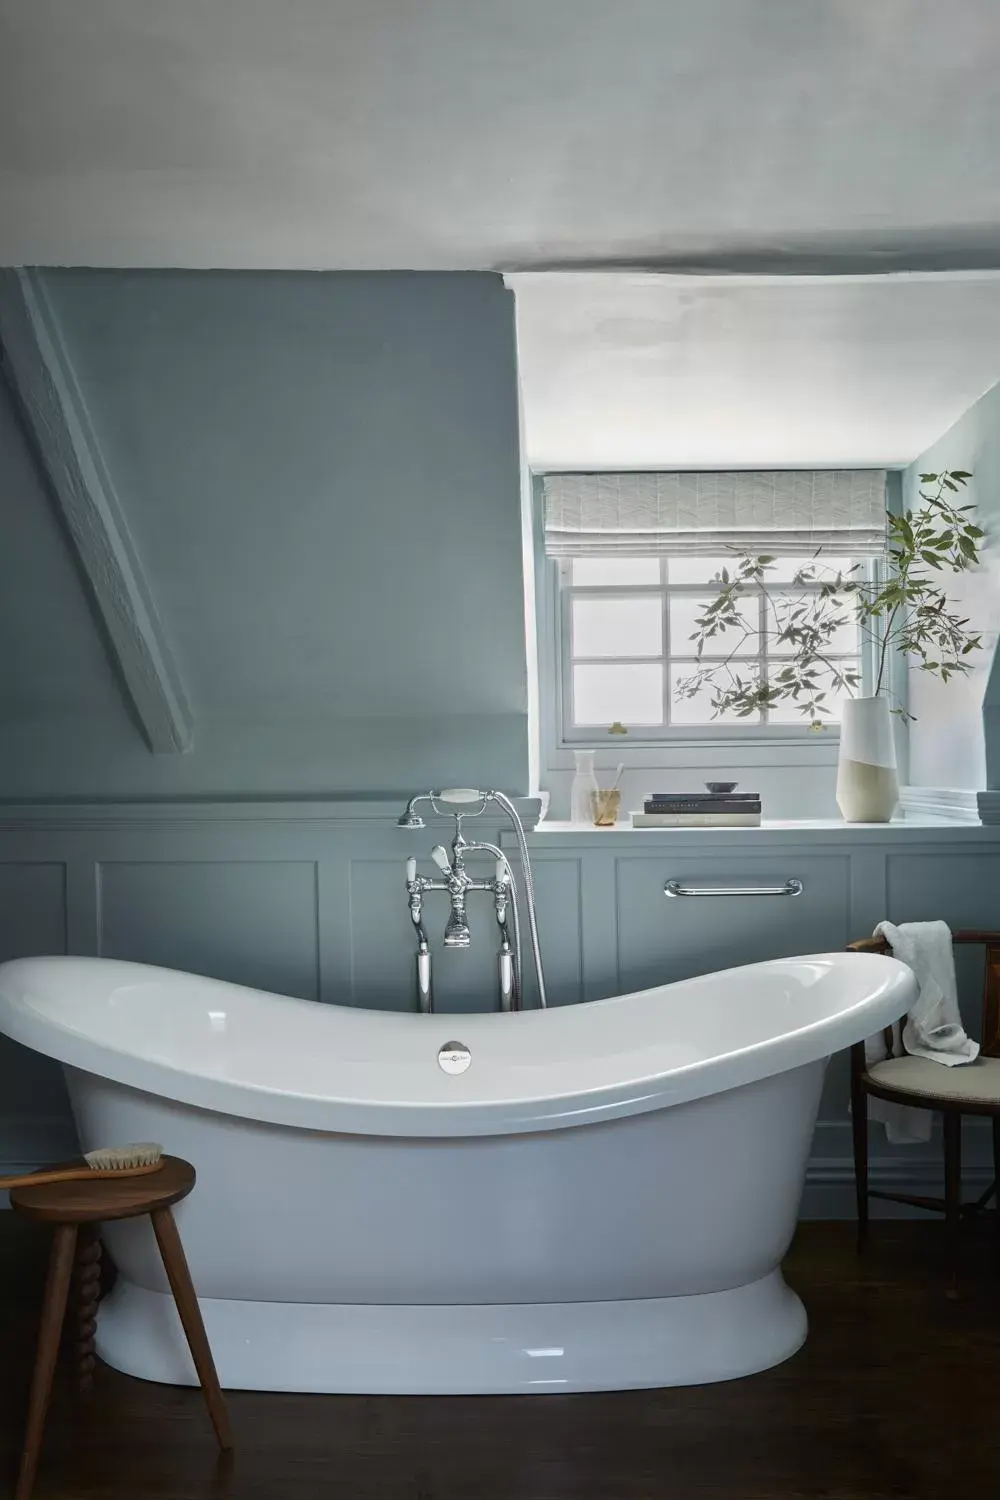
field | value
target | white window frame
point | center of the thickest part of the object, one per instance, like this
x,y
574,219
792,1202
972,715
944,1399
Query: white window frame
x,y
693,746
656,745
584,736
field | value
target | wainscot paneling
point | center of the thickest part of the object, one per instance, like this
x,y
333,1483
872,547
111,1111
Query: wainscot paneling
x,y
381,943
33,1104
308,899
662,938
250,922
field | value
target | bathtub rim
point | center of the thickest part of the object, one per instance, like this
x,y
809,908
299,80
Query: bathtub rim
x,y
891,989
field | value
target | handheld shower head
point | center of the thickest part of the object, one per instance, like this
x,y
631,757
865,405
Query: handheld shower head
x,y
409,818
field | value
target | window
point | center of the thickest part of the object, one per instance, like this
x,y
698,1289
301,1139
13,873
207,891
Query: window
x,y
632,561
625,628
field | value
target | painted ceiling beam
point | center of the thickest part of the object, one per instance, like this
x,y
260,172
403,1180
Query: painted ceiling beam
x,y
37,364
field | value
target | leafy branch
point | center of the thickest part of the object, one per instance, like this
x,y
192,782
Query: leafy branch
x,y
907,612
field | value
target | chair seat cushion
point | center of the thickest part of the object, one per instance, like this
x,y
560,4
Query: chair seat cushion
x,y
977,1082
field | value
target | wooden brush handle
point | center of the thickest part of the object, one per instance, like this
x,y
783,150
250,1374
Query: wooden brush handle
x,y
77,1174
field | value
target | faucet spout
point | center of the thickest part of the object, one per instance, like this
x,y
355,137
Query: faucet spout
x,y
456,932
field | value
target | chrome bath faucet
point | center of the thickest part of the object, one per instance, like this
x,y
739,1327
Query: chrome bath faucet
x,y
457,882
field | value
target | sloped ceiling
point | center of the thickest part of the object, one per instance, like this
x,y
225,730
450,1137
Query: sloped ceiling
x,y
311,473
54,662
444,134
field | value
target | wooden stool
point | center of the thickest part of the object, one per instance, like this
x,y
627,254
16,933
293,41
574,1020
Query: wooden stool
x,y
79,1206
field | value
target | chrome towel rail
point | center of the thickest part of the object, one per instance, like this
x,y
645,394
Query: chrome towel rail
x,y
790,888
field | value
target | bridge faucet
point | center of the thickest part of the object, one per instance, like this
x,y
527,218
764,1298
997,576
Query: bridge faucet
x,y
459,803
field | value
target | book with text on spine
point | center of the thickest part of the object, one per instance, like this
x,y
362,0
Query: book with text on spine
x,y
703,805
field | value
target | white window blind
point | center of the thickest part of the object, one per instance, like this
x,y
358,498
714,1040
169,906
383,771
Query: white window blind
x,y
784,512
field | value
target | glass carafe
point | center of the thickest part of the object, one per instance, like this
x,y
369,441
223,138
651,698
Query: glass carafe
x,y
581,795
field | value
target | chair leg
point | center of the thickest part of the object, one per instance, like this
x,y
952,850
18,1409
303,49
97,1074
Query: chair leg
x,y
953,1186
176,1266
53,1312
859,1130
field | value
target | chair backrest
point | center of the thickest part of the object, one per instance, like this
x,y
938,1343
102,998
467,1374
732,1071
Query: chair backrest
x,y
990,1023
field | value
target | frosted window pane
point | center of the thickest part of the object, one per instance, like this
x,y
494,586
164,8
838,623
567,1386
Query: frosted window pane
x,y
631,693
698,710
788,713
697,569
618,627
685,609
784,569
844,641
824,569
595,572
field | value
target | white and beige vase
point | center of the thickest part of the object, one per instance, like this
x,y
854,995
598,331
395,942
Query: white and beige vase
x,y
867,783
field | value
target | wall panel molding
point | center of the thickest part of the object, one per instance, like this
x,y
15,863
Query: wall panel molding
x,y
309,898
38,365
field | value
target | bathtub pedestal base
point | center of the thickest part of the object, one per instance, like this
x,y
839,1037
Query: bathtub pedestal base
x,y
461,1350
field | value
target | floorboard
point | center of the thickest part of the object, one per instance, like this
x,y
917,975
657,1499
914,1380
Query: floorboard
x,y
896,1393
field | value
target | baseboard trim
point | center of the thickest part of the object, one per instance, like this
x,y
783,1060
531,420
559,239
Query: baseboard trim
x,y
918,1169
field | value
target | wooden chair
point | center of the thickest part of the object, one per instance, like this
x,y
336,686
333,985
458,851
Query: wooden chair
x,y
921,1084
76,1209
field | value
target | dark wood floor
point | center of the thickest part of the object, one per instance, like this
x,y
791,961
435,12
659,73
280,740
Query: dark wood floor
x,y
897,1393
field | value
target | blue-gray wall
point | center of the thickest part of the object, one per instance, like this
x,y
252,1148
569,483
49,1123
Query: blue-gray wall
x,y
955,739
321,477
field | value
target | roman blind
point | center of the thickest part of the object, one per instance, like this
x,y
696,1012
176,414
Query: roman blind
x,y
683,514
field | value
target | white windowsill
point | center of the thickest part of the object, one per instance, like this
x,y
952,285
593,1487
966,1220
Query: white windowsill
x,y
785,831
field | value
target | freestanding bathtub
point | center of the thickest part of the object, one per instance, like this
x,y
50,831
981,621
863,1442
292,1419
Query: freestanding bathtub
x,y
594,1197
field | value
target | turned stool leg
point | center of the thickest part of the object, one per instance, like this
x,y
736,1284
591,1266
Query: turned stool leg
x,y
53,1312
86,1297
176,1266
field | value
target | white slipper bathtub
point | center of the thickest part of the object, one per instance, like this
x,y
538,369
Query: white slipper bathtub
x,y
587,1198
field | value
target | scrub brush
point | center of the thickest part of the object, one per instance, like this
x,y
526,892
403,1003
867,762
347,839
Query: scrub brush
x,y
110,1161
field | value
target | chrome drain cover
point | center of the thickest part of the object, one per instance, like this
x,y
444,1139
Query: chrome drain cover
x,y
454,1057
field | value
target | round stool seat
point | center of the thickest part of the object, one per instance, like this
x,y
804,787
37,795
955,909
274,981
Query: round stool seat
x,y
83,1202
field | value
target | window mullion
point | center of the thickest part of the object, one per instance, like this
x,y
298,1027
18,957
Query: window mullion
x,y
766,722
665,641
765,717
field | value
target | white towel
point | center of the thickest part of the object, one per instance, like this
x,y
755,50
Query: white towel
x,y
933,1028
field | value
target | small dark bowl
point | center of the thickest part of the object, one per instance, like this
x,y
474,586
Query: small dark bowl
x,y
721,786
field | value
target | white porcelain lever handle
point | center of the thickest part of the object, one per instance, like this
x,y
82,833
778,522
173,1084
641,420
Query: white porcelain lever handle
x,y
459,794
411,870
501,869
439,855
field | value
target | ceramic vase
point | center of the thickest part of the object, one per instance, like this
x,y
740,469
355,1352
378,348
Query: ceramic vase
x,y
867,783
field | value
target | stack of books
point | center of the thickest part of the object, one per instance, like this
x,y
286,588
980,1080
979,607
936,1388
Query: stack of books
x,y
699,810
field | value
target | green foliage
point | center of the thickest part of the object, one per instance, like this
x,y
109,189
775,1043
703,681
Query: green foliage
x,y
907,611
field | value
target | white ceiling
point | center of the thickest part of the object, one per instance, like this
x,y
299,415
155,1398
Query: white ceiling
x,y
627,371
706,135
460,133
